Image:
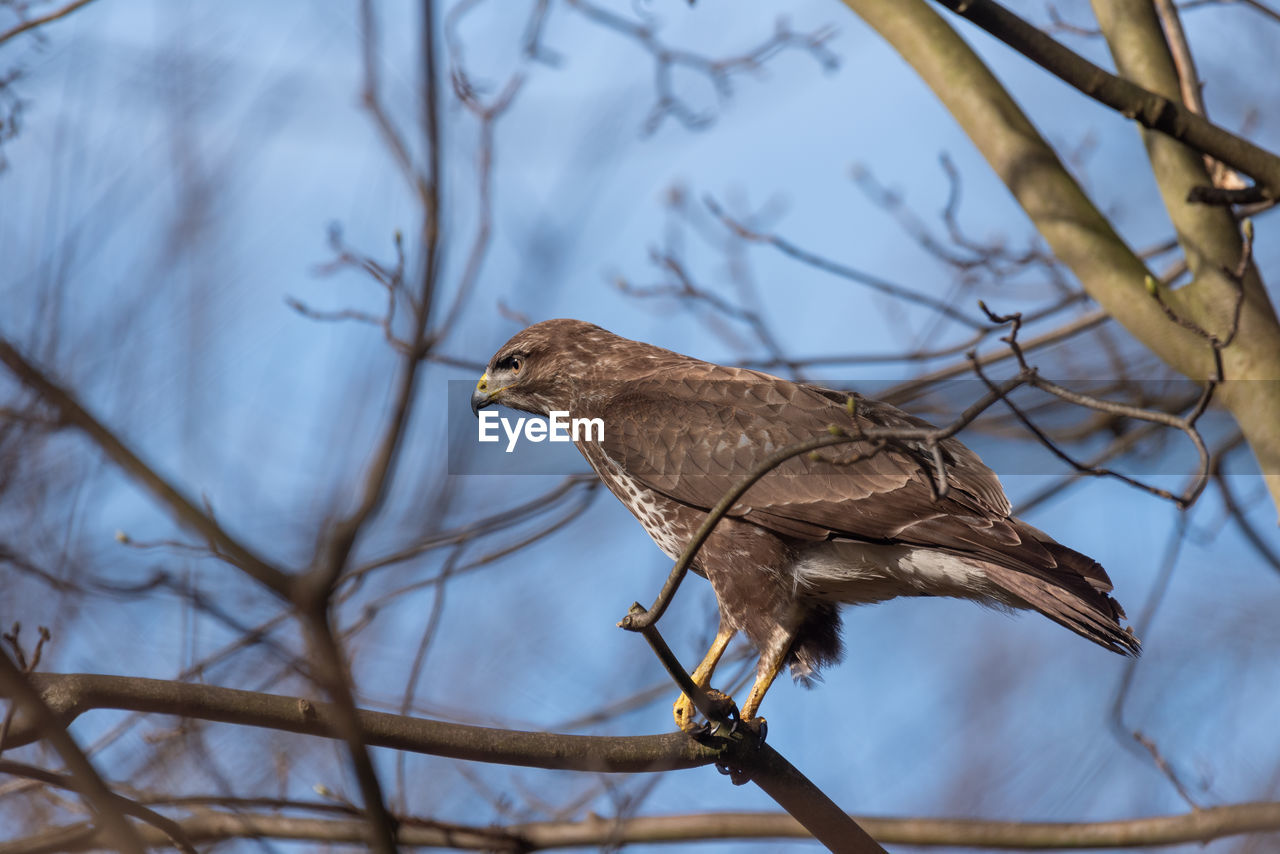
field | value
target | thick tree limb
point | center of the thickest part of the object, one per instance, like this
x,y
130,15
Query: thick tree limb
x,y
1073,227
1209,236
70,695
764,766
1199,826
1151,110
1210,239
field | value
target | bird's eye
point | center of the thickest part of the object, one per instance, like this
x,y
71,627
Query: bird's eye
x,y
512,364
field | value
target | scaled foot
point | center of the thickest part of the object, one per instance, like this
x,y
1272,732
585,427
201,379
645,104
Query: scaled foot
x,y
754,729
685,714
722,708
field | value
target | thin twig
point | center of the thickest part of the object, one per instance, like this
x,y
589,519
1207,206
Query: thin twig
x,y
487,115
719,72
1256,5
827,265
1124,734
179,505
1165,768
1186,423
1237,511
33,23
172,830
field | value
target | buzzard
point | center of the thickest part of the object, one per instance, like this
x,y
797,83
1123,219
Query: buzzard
x,y
855,525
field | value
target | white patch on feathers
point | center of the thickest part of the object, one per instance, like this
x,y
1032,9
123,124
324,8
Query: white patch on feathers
x,y
857,573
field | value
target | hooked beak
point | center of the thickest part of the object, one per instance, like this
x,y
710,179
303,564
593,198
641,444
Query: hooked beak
x,y
481,397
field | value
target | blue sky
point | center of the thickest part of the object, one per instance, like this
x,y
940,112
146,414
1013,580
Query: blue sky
x,y
178,169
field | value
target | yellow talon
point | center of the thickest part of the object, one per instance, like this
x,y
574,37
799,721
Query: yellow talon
x,y
684,713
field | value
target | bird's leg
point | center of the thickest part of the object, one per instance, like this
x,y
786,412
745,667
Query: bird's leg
x,y
684,712
769,670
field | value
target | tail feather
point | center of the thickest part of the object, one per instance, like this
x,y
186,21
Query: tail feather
x,y
1066,586
1075,604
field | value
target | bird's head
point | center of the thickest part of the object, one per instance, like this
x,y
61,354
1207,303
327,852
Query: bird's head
x,y
533,371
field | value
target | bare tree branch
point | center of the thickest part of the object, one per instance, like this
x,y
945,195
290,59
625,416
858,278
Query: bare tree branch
x,y
1256,5
41,20
183,509
1202,826
826,265
40,721
1149,109
315,586
171,829
1072,225
719,71
70,695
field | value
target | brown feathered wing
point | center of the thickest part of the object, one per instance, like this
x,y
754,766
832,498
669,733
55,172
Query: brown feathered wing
x,y
693,434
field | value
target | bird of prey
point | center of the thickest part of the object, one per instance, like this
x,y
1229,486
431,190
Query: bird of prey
x,y
855,525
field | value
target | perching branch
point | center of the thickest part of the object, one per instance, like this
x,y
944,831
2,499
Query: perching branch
x,y
752,759
70,695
